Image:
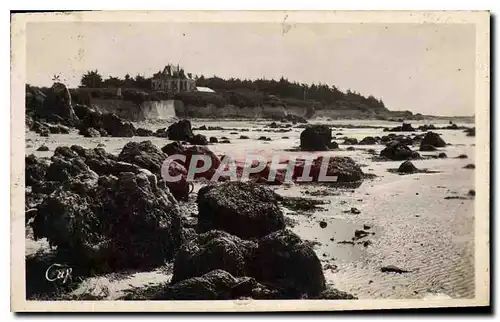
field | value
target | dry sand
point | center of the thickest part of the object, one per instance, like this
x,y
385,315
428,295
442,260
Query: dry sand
x,y
415,228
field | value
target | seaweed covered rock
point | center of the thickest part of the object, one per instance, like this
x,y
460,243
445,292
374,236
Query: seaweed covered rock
x,y
369,140
350,141
35,169
316,138
284,261
244,209
434,139
344,168
121,222
200,152
407,167
105,123
144,154
397,151
199,139
213,250
144,132
90,132
180,131
116,126
215,285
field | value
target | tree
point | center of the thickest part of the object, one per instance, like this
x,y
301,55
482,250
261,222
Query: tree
x,y
92,79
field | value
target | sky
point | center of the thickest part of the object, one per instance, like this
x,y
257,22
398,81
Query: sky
x,y
424,68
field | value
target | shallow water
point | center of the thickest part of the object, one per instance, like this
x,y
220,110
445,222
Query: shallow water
x,y
414,227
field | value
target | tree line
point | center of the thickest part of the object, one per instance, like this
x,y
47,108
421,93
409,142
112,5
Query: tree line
x,y
319,95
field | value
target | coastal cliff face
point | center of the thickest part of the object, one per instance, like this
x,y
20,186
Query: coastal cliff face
x,y
168,109
147,110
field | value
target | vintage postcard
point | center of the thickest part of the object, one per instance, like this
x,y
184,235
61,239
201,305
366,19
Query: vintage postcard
x,y
250,161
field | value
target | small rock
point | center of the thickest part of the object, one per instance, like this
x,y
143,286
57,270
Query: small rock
x,y
323,224
43,148
470,166
366,227
393,269
355,211
462,156
358,234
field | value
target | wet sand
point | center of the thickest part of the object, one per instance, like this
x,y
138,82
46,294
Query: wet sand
x,y
415,228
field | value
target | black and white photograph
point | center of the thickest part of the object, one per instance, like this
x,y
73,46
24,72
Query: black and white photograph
x,y
249,159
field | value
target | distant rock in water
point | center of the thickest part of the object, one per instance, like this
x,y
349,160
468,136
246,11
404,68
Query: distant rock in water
x,y
144,132
407,167
316,138
213,139
398,152
471,131
369,140
405,127
199,139
432,138
442,155
180,131
350,141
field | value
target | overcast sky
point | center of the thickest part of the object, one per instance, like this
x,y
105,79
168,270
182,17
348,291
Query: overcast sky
x,y
424,68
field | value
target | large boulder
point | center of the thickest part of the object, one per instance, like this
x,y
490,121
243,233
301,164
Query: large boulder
x,y
398,152
180,131
244,209
316,138
213,250
434,139
284,261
